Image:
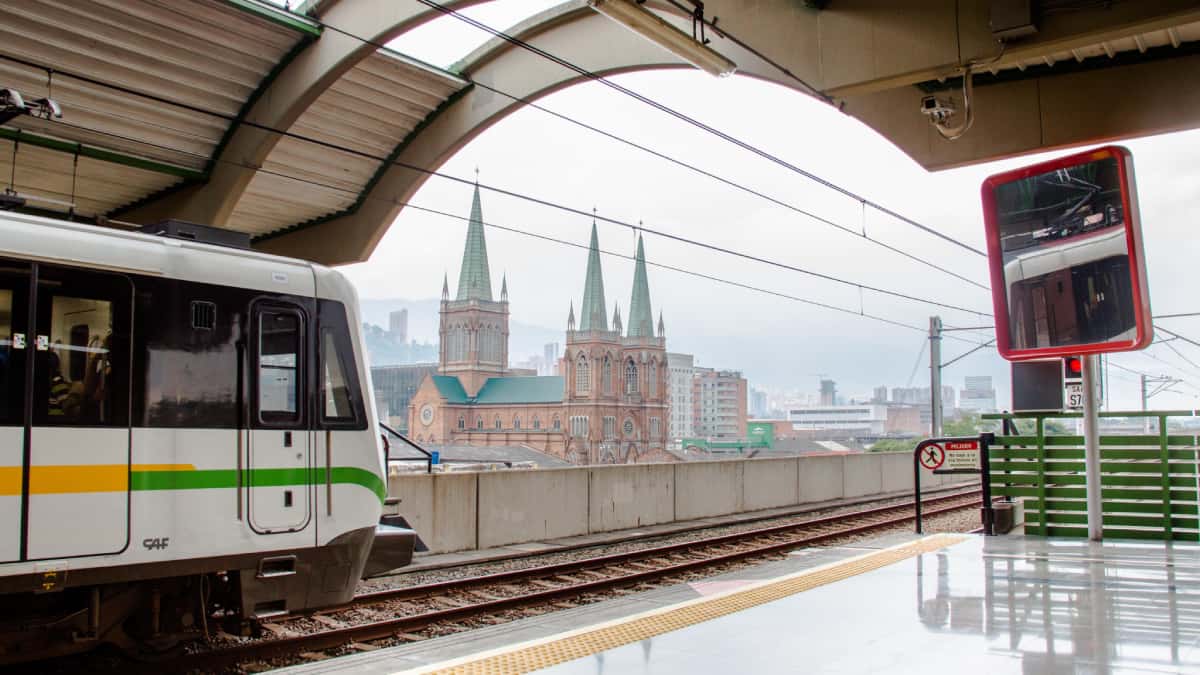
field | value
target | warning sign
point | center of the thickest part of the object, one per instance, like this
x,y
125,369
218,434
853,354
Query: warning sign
x,y
962,455
932,456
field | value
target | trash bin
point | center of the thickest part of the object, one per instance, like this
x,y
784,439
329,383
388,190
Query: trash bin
x,y
1003,524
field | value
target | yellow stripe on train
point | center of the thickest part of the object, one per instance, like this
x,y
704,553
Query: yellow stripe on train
x,y
77,478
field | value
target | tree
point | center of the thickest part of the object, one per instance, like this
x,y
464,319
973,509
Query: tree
x,y
968,424
893,445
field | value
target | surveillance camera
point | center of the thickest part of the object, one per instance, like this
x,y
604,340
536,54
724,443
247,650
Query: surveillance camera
x,y
938,110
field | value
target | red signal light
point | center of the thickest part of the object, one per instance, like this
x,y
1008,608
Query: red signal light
x,y
1072,367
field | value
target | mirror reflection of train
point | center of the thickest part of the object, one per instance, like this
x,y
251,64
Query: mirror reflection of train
x,y
1071,291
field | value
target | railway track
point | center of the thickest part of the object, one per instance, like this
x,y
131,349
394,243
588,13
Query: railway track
x,y
508,594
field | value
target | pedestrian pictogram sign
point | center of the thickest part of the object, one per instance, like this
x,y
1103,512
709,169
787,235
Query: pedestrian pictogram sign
x,y
932,457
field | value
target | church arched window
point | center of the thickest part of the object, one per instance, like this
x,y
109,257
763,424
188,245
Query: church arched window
x,y
462,423
497,423
479,423
517,422
582,376
557,423
631,377
652,378
606,375
537,423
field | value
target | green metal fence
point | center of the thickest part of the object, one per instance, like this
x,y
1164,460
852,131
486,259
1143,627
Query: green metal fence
x,y
1149,480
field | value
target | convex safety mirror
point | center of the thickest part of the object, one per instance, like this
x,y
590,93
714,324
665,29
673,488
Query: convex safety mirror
x,y
1065,252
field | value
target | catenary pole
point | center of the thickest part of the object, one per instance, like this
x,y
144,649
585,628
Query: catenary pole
x,y
935,376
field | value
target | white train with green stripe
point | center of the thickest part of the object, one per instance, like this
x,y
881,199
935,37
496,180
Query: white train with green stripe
x,y
187,437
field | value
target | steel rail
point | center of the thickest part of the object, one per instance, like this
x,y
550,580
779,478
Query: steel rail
x,y
606,560
389,628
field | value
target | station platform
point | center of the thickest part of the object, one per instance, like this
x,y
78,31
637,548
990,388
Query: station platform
x,y
899,604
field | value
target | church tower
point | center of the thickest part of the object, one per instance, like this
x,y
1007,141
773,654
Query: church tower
x,y
473,328
615,386
643,369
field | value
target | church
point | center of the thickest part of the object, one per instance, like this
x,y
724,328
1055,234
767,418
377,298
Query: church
x,y
607,405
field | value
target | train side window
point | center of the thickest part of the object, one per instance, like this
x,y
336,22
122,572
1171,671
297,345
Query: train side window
x,y
341,400
11,376
280,373
81,349
337,392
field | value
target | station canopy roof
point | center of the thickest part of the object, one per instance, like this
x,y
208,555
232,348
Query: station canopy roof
x,y
298,128
151,90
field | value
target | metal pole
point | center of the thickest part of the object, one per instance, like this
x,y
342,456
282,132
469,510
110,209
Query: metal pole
x,y
1145,420
935,376
1091,447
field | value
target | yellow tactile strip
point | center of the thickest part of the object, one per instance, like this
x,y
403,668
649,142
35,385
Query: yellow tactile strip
x,y
592,640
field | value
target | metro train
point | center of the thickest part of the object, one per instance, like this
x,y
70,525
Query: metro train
x,y
1058,287
187,436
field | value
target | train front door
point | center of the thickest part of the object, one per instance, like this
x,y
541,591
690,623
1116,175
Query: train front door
x,y
64,411
280,476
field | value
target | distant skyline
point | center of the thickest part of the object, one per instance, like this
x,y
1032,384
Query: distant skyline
x,y
532,153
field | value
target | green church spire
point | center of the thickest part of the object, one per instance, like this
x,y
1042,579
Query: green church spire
x,y
591,313
474,279
641,319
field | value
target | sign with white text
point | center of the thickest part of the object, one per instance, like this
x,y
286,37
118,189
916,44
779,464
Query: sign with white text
x,y
962,456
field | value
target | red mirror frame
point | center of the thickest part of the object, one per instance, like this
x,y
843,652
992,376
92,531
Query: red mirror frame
x,y
1144,333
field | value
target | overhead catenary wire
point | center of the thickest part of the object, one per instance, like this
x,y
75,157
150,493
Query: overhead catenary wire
x,y
528,102
855,312
524,197
699,125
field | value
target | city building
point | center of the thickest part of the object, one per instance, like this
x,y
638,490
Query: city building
x,y
398,326
828,392
550,358
609,402
920,396
978,395
907,420
719,403
681,369
394,389
850,420
758,403
880,395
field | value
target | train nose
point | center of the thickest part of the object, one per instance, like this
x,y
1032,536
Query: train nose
x,y
393,547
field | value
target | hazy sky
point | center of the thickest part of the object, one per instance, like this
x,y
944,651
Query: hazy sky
x,y
533,153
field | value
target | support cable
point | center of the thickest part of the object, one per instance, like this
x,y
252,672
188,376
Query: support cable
x,y
697,123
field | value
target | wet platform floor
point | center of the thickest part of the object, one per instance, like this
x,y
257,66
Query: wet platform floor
x,y
901,604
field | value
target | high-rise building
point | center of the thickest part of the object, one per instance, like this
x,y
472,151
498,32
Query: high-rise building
x,y
978,395
880,395
550,358
828,392
758,403
398,326
680,372
719,403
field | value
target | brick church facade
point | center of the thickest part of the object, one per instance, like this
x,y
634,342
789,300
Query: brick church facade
x,y
608,405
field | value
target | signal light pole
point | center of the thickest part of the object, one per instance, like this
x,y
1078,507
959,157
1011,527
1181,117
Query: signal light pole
x,y
935,376
1091,446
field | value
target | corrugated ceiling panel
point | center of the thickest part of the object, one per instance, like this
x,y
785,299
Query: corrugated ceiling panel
x,y
52,181
1159,38
203,53
370,110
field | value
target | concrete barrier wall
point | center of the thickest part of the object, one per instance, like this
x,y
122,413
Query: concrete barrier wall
x,y
630,495
459,511
769,483
705,489
519,506
440,507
